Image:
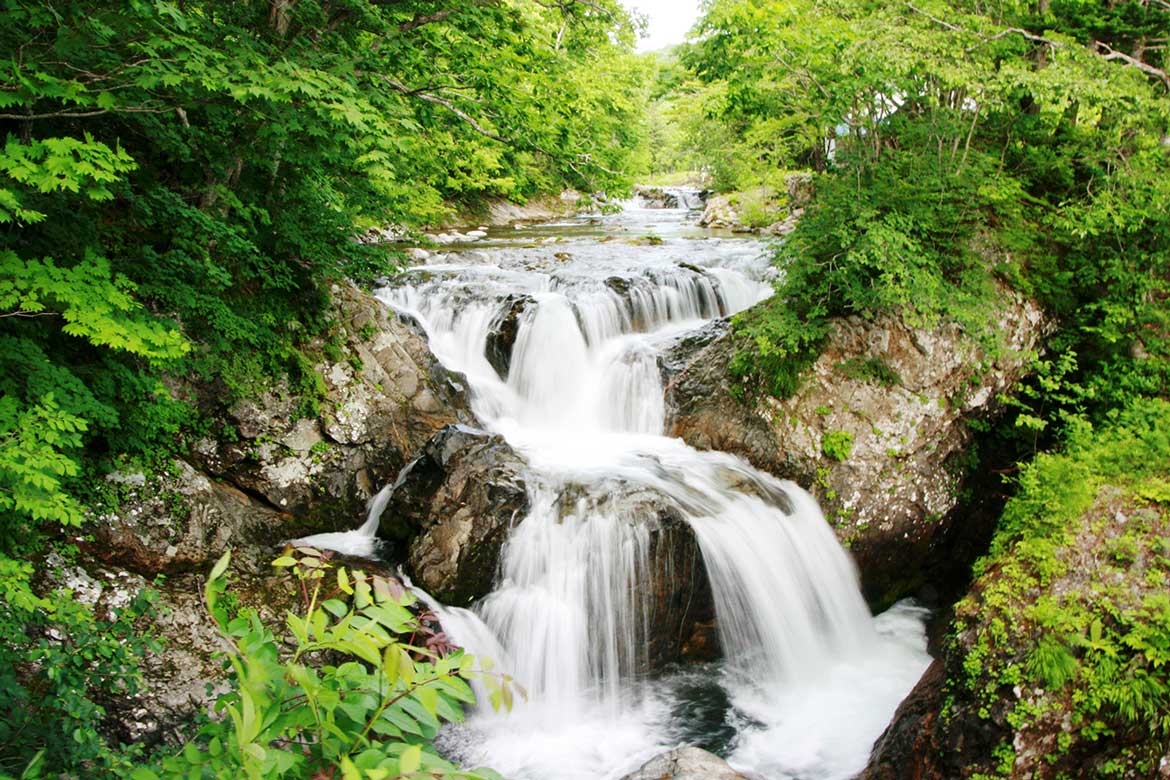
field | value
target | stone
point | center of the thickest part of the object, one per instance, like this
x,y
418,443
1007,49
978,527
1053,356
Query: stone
x,y
907,398
502,333
686,763
385,395
178,522
453,507
655,198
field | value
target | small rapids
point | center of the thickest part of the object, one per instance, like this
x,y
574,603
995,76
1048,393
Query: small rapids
x,y
559,330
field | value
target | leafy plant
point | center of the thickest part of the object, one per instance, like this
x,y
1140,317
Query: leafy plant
x,y
837,445
359,692
61,665
871,369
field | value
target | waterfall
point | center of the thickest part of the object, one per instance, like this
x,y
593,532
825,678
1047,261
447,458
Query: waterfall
x,y
561,349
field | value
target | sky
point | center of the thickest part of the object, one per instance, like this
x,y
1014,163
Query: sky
x,y
669,21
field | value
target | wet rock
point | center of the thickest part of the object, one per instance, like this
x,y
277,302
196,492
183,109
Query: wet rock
x,y
385,394
701,408
909,734
655,198
686,763
502,333
676,603
453,507
879,430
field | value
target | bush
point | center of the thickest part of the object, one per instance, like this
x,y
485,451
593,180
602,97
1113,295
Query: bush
x,y
837,445
358,688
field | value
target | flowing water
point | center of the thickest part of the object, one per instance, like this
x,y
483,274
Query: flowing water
x,y
809,678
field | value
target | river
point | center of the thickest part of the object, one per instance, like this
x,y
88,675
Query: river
x,y
809,678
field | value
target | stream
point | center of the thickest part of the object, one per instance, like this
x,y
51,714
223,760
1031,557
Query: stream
x,y
808,677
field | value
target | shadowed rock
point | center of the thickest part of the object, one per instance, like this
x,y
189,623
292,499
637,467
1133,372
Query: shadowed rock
x,y
502,334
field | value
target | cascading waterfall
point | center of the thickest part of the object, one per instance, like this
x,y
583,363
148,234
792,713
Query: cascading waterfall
x,y
810,676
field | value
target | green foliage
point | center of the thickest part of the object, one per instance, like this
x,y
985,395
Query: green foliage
x,y
1072,607
837,445
199,174
60,664
960,147
180,186
871,369
359,690
774,346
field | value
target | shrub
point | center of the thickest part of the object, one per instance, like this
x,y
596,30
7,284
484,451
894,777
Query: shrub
x,y
837,445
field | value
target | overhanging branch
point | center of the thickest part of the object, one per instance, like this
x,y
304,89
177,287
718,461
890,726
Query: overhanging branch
x,y
1110,53
398,86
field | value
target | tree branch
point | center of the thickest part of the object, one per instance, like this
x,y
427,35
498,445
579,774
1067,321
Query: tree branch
x,y
447,104
986,38
438,16
95,112
30,314
564,5
1109,53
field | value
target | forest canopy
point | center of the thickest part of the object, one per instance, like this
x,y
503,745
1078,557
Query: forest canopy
x,y
963,148
180,185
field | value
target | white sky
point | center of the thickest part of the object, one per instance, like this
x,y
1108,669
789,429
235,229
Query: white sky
x,y
669,21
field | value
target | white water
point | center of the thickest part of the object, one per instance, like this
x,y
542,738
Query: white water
x,y
810,677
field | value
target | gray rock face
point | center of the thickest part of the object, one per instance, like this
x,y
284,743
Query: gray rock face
x,y
181,521
686,763
384,396
965,710
455,504
878,430
177,677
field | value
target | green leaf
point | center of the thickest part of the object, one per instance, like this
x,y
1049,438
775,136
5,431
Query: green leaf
x,y
410,760
220,566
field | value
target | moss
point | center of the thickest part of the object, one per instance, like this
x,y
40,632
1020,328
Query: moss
x,y
1067,631
870,369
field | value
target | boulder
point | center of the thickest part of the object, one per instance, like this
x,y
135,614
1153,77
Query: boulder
x,y
453,507
686,763
720,212
677,608
880,429
384,395
502,333
1016,698
655,198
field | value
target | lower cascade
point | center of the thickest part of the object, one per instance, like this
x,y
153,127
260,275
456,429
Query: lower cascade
x,y
559,341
